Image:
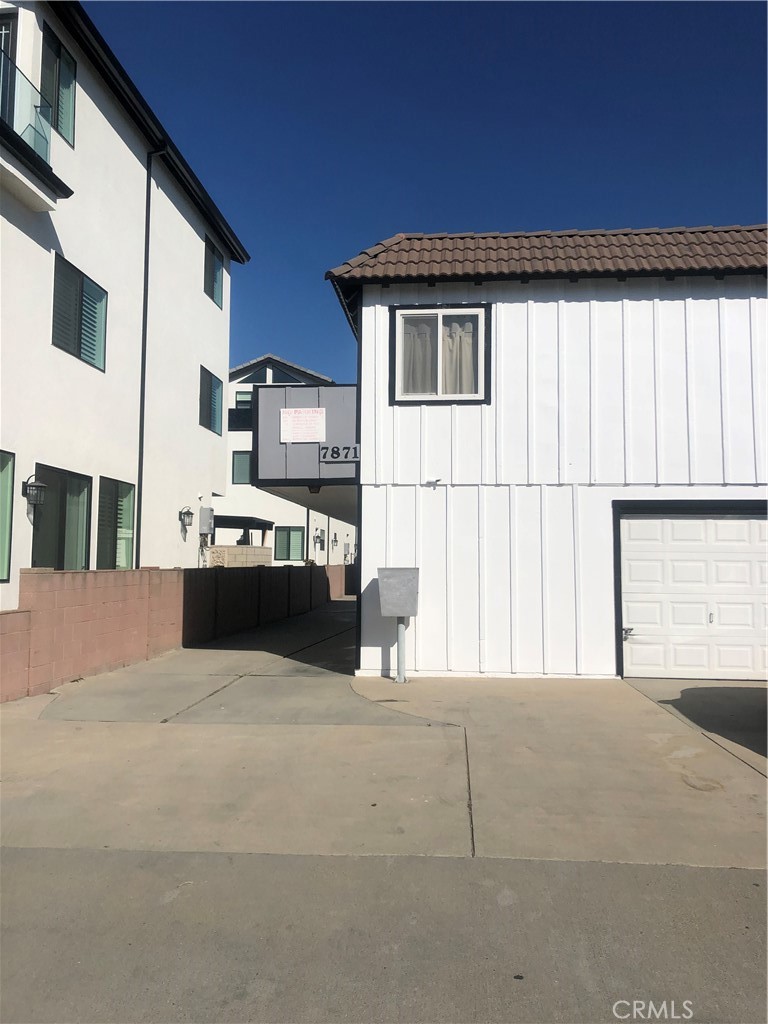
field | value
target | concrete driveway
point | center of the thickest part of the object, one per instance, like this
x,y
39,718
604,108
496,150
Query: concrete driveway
x,y
249,833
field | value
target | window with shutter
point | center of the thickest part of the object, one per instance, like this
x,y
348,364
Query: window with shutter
x,y
79,314
58,76
213,277
211,391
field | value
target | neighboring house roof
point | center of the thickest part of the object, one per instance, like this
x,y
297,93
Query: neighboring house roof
x,y
417,257
245,368
73,17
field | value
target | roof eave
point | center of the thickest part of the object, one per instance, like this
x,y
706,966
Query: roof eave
x,y
74,18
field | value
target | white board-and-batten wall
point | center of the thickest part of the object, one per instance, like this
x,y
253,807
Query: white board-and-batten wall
x,y
601,390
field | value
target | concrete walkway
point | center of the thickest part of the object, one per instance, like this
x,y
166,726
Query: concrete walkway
x,y
249,833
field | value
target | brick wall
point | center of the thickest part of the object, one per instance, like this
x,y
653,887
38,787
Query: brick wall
x,y
73,624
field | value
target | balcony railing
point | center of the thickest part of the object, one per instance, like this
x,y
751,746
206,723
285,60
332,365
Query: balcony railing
x,y
23,108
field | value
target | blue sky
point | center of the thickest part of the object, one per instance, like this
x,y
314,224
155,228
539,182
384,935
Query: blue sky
x,y
321,128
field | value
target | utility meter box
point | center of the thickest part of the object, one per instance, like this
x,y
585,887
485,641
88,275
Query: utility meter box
x,y
399,592
206,520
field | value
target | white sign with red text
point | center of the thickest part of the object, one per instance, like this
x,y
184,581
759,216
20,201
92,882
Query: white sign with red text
x,y
302,426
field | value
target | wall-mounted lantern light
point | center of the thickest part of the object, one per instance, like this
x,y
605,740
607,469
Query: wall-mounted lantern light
x,y
186,517
33,490
334,541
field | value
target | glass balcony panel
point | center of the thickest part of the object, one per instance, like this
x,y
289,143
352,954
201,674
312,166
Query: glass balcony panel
x,y
23,108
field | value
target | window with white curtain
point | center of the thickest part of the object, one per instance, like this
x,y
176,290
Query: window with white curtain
x,y
57,85
79,314
440,354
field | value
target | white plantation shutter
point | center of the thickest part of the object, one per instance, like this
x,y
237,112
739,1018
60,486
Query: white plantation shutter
x,y
124,544
115,540
66,306
93,323
297,544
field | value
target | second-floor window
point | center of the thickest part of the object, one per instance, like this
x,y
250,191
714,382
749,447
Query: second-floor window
x,y
243,399
210,401
57,85
214,273
440,354
79,314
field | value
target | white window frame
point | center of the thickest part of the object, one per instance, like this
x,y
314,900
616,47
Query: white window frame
x,y
479,311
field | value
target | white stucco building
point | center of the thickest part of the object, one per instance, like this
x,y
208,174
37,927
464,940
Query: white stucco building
x,y
293,532
566,434
115,312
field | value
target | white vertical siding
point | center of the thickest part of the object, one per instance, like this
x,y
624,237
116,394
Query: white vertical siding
x,y
559,595
640,412
509,383
758,333
574,392
543,385
738,411
512,579
672,392
600,391
607,392
432,622
704,388
596,382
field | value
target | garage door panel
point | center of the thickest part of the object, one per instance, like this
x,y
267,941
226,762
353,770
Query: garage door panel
x,y
732,531
688,613
693,597
686,572
734,614
687,531
641,530
731,572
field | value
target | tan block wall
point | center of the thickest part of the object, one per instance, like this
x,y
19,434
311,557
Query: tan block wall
x,y
239,556
14,654
74,624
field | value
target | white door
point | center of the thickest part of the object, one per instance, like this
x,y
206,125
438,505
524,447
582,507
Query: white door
x,y
694,597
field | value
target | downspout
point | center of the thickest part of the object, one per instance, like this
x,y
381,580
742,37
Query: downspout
x,y
143,379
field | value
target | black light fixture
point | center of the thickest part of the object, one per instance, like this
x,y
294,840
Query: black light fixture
x,y
33,490
314,489
186,517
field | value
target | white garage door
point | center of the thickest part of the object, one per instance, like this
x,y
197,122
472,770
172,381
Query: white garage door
x,y
694,597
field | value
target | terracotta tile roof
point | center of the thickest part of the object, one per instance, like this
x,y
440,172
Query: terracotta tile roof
x,y
419,257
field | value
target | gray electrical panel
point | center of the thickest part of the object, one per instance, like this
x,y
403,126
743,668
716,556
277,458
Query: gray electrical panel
x,y
206,520
399,592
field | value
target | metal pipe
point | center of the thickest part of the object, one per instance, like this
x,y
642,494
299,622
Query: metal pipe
x,y
400,650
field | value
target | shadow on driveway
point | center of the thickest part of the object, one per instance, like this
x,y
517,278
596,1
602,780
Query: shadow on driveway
x,y
737,713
